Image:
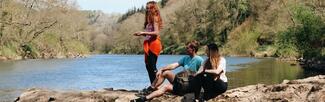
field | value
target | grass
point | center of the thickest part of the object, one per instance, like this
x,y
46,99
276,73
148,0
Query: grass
x,y
8,51
242,43
77,46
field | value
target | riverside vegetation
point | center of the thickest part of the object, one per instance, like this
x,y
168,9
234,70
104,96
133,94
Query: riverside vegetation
x,y
288,29
50,29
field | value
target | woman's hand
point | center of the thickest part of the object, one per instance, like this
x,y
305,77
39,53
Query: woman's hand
x,y
215,79
138,33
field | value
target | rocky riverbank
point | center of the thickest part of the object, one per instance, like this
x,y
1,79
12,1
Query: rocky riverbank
x,y
310,89
313,65
302,90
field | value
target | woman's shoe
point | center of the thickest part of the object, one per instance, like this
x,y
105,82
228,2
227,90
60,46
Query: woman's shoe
x,y
140,99
145,91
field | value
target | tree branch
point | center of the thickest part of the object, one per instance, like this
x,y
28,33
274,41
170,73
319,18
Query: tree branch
x,y
291,15
30,8
37,33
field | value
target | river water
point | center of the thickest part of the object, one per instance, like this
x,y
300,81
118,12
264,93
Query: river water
x,y
124,72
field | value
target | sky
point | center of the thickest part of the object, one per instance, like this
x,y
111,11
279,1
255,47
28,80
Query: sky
x,y
111,6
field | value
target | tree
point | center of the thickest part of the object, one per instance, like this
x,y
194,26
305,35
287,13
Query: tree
x,y
307,36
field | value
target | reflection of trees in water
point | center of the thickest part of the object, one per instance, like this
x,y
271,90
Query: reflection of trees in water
x,y
309,73
6,66
267,71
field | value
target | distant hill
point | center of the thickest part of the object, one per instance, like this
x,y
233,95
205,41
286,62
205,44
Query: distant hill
x,y
240,27
280,28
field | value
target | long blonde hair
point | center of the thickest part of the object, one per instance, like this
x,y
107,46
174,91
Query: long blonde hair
x,y
153,15
213,57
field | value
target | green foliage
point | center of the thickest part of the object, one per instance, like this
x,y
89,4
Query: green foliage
x,y
30,51
311,33
131,12
286,46
135,10
243,5
262,48
51,41
175,49
323,52
29,30
207,21
163,3
243,44
243,8
8,50
76,46
306,37
205,35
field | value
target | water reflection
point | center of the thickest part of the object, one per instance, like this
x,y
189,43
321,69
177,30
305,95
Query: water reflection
x,y
267,71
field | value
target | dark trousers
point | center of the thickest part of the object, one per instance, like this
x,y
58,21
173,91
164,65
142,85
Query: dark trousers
x,y
151,61
212,88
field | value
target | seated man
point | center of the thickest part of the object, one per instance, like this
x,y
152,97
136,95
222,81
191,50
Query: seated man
x,y
191,63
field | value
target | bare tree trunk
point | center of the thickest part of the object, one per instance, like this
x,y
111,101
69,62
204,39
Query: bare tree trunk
x,y
1,24
65,48
37,33
29,7
291,15
94,20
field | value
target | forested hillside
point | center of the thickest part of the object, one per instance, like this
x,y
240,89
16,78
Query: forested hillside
x,y
279,28
57,28
51,29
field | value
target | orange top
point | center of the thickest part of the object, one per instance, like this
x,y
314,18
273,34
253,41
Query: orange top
x,y
152,43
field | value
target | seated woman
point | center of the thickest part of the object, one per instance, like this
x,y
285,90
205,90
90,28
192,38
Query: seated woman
x,y
211,76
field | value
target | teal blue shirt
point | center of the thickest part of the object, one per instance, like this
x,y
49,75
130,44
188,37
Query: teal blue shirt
x,y
192,64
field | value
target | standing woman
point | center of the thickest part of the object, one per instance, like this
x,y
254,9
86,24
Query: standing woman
x,y
152,45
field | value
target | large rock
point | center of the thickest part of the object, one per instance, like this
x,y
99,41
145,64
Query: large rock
x,y
42,95
303,90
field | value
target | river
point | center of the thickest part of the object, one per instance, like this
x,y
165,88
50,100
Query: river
x,y
124,72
